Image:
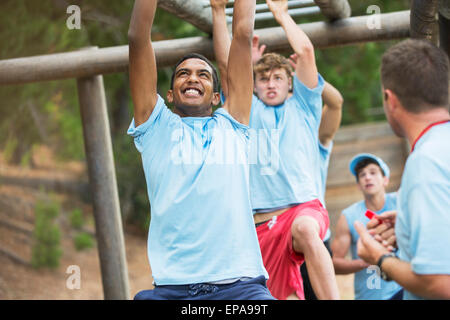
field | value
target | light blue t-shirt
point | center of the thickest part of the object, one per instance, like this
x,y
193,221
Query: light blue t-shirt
x,y
368,283
284,152
325,153
422,225
196,169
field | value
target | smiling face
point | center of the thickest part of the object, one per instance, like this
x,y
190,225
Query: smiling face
x,y
371,180
272,87
193,89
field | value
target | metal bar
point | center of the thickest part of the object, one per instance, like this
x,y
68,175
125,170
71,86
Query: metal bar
x,y
191,11
341,32
103,184
300,12
424,24
262,7
334,9
110,60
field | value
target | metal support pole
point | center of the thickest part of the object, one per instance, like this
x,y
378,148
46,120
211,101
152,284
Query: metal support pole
x,y
102,178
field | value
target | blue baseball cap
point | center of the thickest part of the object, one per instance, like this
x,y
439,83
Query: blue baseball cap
x,y
362,156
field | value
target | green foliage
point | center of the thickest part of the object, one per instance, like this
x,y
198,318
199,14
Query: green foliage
x,y
46,251
76,219
83,241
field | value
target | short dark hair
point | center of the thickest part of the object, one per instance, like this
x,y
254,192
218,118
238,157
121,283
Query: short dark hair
x,y
417,72
215,76
364,163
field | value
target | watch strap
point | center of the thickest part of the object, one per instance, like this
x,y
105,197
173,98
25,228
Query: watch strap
x,y
383,274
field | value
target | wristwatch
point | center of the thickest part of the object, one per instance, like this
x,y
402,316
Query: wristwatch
x,y
383,274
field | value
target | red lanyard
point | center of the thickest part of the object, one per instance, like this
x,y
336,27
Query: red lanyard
x,y
425,131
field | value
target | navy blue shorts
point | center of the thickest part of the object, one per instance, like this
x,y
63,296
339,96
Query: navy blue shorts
x,y
253,289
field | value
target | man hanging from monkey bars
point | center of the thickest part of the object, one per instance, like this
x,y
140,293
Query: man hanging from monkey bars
x,y
202,243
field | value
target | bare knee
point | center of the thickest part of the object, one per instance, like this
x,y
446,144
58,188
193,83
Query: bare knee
x,y
305,234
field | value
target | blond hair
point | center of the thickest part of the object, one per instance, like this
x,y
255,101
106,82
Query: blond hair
x,y
271,61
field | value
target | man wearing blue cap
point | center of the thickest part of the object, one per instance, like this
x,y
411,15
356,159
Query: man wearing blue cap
x,y
372,177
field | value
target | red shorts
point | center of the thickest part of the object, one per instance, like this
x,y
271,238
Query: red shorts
x,y
281,261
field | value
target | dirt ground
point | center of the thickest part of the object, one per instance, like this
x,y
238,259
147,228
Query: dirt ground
x,y
20,281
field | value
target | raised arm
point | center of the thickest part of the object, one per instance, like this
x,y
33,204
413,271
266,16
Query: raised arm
x,y
331,114
221,40
142,69
306,69
240,68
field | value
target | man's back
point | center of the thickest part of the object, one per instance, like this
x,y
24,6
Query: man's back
x,y
423,219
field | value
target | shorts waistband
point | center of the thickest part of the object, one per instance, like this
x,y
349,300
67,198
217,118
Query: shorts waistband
x,y
206,288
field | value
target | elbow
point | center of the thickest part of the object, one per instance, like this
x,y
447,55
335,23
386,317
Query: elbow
x,y
305,51
132,36
439,288
135,37
243,33
339,101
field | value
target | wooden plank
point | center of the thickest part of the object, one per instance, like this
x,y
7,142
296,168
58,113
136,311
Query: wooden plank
x,y
191,11
362,132
103,183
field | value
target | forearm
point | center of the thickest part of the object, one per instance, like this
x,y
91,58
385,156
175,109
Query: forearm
x,y
298,40
346,266
222,43
240,68
427,286
142,20
306,69
142,66
331,114
243,21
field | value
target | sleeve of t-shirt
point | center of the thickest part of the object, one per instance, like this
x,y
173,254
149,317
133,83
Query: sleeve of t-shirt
x,y
226,119
161,122
253,108
325,152
428,208
310,99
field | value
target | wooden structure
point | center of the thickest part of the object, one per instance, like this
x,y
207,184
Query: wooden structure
x,y
88,66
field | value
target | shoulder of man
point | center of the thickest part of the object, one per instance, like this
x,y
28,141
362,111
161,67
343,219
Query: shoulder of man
x,y
354,209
